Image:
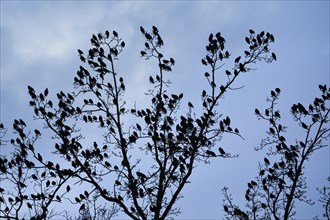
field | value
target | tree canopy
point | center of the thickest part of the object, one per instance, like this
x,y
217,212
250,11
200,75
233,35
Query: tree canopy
x,y
140,168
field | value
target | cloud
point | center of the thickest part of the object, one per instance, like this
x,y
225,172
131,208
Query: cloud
x,y
39,40
51,32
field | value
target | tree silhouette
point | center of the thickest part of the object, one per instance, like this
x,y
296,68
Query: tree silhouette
x,y
279,184
325,199
113,171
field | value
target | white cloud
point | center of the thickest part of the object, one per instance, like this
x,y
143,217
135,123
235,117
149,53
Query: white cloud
x,y
50,33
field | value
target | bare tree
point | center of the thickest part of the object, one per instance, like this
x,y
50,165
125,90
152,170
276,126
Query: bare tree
x,y
325,199
109,170
273,193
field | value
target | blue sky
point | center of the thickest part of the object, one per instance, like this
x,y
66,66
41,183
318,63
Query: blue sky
x,y
39,42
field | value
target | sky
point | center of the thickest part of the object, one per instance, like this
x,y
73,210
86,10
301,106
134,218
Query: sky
x,y
39,42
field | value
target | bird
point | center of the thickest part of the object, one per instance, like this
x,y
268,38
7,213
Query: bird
x,y
221,151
